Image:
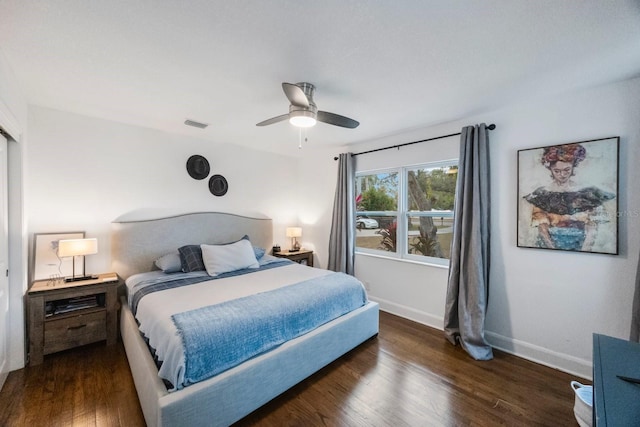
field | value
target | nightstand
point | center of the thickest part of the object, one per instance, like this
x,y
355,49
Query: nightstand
x,y
302,256
70,314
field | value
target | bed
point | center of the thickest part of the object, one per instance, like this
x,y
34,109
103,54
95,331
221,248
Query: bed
x,y
234,392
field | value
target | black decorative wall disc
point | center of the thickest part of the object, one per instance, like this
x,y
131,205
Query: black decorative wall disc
x,y
198,167
218,185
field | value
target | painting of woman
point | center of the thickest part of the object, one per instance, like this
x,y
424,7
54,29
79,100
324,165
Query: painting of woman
x,y
576,208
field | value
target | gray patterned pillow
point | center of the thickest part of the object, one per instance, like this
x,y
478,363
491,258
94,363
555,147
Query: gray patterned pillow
x,y
191,258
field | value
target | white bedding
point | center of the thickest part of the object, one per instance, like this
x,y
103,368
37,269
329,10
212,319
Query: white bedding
x,y
154,311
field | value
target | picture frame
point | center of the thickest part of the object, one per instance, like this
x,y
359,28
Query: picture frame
x,y
45,261
568,196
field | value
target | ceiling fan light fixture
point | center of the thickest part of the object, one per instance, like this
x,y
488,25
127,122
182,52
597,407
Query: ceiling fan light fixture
x,y
302,119
303,112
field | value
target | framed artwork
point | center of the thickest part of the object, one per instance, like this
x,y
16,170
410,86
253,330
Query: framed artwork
x,y
568,196
46,264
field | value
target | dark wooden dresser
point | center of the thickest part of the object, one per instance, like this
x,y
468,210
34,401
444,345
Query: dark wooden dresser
x,y
616,402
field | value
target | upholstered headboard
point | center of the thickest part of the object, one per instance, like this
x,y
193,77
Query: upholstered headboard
x,y
136,244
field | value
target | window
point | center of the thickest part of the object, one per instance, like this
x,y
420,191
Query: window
x,y
407,212
377,210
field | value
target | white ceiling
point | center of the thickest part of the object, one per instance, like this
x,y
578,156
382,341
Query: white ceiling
x,y
393,66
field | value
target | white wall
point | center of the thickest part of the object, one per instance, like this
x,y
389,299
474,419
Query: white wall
x,y
544,305
317,182
547,304
86,172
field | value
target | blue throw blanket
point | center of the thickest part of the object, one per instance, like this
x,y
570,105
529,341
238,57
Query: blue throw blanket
x,y
221,336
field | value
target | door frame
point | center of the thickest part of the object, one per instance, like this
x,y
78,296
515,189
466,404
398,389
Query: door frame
x,y
4,260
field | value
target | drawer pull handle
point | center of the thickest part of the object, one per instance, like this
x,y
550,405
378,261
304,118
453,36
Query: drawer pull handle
x,y
73,328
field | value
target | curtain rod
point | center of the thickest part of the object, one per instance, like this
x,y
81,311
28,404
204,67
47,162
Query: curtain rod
x,y
490,127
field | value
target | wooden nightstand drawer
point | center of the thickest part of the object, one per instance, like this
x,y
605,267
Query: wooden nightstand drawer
x,y
61,334
70,314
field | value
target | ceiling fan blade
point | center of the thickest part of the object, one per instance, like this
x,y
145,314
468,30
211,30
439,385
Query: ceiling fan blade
x,y
295,95
337,120
273,120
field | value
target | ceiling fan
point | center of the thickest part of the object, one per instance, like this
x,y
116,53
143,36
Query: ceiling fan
x,y
303,112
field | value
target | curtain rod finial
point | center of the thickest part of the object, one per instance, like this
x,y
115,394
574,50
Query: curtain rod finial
x,y
491,126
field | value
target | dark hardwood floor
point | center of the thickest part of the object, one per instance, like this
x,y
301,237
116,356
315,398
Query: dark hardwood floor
x,y
407,376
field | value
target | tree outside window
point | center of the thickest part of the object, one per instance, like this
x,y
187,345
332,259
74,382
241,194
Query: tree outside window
x,y
407,212
376,210
430,200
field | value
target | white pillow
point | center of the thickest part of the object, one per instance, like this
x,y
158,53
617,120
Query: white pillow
x,y
230,257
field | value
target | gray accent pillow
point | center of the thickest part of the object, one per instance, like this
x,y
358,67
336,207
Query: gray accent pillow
x,y
169,263
258,252
191,258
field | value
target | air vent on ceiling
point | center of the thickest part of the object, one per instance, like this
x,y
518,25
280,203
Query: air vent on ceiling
x,y
195,124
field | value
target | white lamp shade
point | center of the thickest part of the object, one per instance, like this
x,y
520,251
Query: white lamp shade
x,y
74,247
294,231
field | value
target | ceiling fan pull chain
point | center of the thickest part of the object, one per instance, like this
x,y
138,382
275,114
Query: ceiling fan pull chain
x,y
300,138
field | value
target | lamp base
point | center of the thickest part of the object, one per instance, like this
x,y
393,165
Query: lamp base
x,y
79,278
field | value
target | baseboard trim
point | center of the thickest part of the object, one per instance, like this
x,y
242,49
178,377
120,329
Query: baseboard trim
x,y
543,356
409,313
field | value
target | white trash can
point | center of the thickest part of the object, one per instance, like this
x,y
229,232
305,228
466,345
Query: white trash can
x,y
583,406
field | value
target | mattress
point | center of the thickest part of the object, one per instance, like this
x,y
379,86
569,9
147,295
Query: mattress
x,y
156,312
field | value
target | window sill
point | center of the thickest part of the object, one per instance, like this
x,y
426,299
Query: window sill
x,y
404,260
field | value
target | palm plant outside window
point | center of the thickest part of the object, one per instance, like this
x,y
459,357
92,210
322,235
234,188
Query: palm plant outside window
x,y
407,212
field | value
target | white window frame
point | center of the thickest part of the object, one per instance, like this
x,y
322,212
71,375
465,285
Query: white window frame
x,y
403,214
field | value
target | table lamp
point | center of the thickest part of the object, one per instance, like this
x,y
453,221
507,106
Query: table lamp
x,y
77,247
294,232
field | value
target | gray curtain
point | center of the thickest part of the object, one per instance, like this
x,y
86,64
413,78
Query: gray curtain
x,y
468,287
342,238
635,311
